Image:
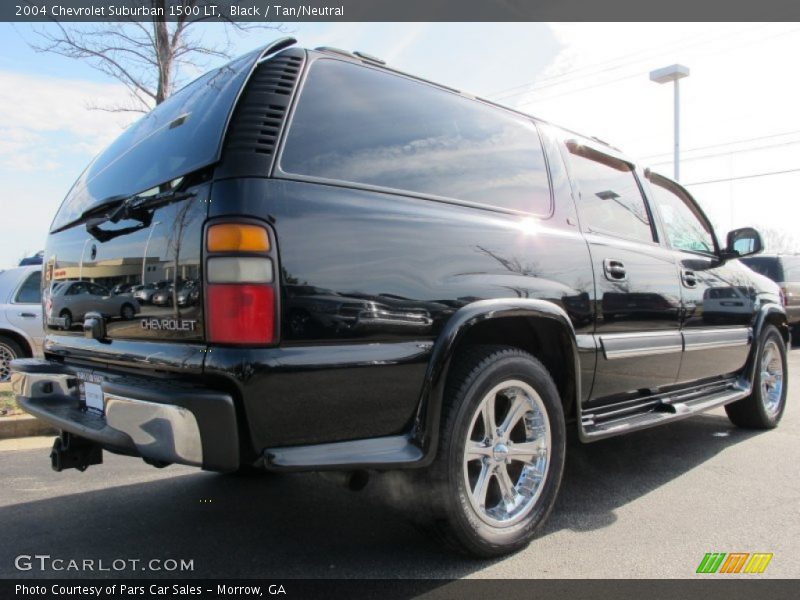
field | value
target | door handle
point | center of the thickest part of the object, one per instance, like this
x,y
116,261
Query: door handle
x,y
27,315
688,278
614,270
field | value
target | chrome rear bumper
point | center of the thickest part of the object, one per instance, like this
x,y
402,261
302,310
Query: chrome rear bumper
x,y
151,421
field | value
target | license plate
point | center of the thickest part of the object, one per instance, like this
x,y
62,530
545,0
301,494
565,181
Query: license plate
x,y
91,392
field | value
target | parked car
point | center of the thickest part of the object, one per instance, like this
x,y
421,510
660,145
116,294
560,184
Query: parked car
x,y
481,245
784,269
144,293
122,288
21,332
36,259
189,294
69,302
163,296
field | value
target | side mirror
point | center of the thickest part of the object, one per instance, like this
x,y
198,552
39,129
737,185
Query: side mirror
x,y
743,242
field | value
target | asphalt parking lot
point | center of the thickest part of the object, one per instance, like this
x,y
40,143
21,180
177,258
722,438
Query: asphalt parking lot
x,y
647,505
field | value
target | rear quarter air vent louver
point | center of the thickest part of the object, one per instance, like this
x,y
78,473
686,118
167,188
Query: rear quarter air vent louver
x,y
252,137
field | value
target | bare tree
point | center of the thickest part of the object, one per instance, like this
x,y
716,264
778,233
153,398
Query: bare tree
x,y
779,241
146,56
183,220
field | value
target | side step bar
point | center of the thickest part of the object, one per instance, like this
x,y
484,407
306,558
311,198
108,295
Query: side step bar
x,y
606,421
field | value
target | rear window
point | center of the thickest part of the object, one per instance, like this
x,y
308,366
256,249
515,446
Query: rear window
x,y
179,136
767,266
360,125
30,292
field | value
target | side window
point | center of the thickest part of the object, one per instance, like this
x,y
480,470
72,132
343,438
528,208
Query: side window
x,y
684,228
97,290
610,200
30,292
361,125
77,289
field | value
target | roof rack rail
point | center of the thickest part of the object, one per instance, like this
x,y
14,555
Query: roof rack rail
x,y
369,57
334,50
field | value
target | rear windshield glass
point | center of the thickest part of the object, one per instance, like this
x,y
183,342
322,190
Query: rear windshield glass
x,y
769,266
181,135
361,125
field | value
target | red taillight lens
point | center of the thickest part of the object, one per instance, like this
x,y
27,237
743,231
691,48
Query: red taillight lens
x,y
783,296
241,314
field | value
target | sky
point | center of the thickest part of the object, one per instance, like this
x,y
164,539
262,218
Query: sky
x,y
740,122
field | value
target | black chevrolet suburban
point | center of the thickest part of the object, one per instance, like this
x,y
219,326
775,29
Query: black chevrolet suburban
x,y
390,275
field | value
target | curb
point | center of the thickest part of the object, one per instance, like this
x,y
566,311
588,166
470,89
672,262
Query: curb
x,y
20,426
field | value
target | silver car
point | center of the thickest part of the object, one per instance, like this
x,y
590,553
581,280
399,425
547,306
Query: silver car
x,y
69,301
21,332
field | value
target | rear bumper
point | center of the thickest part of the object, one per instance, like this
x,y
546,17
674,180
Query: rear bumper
x,y
161,420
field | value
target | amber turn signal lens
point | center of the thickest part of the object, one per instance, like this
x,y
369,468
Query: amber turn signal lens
x,y
233,237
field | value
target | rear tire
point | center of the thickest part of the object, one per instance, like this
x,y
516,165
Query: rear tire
x,y
9,350
67,316
764,407
488,491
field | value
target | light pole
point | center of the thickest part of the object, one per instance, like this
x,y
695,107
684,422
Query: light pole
x,y
83,251
147,244
673,73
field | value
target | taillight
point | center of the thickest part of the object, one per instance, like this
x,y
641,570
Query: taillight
x,y
240,284
783,296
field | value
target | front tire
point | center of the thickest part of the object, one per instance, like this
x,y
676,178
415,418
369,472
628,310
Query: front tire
x,y
764,407
501,452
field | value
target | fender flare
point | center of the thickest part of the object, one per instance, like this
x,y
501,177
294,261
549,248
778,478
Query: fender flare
x,y
762,319
425,431
10,330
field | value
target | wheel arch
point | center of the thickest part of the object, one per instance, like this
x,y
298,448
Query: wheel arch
x,y
20,338
522,323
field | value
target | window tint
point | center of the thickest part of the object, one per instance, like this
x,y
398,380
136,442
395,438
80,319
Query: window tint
x,y
30,292
610,199
685,230
360,125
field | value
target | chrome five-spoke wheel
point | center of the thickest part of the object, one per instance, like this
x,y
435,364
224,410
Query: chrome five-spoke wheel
x,y
771,377
763,408
506,454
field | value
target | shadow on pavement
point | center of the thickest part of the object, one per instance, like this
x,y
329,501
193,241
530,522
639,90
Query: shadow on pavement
x,y
302,525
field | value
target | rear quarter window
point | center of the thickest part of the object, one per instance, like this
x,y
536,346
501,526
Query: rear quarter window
x,y
356,124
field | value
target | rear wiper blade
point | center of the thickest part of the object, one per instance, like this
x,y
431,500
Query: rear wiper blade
x,y
138,208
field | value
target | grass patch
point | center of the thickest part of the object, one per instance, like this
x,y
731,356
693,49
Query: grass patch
x,y
8,404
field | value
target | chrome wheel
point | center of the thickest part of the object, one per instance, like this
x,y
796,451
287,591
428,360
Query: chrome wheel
x,y
6,356
506,455
771,377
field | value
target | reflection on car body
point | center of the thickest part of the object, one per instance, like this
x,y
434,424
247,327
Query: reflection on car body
x,y
69,302
729,304
315,311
